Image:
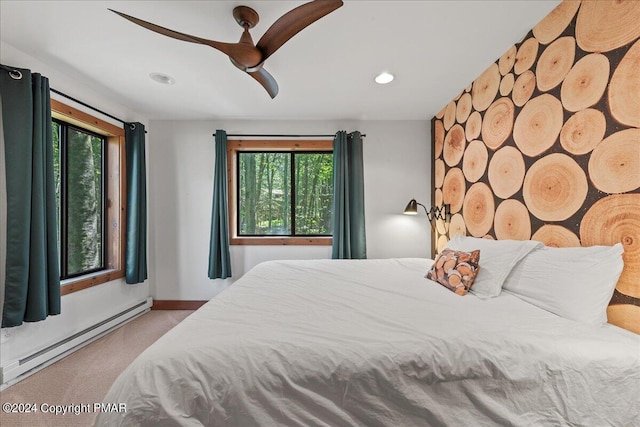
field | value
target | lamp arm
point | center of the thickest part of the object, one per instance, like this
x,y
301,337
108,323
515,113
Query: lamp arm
x,y
425,208
441,212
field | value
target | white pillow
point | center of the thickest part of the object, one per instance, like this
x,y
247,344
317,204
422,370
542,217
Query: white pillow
x,y
575,283
497,259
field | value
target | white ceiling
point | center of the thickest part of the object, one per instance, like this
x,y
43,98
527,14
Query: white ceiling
x,y
435,49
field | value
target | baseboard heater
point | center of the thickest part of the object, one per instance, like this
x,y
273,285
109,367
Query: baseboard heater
x,y
28,365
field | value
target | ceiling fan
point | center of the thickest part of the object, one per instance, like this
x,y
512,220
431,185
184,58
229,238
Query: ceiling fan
x,y
246,55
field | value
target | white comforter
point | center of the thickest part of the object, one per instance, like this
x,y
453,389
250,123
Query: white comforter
x,y
373,343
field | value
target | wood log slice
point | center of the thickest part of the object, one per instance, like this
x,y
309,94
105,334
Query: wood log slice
x,y
523,88
585,83
457,226
438,131
473,126
552,25
474,162
506,172
538,125
626,316
478,209
614,165
506,61
498,123
555,62
454,144
458,96
555,187
526,56
512,221
441,226
449,115
556,236
442,243
616,219
439,173
485,88
440,114
438,197
506,84
463,109
488,237
583,131
453,189
468,88
606,25
624,89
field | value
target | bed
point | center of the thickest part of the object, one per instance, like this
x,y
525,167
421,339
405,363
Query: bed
x,y
374,343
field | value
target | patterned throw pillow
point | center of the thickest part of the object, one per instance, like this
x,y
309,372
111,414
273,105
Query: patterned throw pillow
x,y
455,270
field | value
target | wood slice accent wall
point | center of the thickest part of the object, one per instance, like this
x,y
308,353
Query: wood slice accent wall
x,y
545,143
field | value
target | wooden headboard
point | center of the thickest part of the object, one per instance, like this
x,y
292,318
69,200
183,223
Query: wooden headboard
x,y
545,144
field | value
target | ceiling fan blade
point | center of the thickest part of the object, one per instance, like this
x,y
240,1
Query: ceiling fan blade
x,y
266,80
292,22
244,53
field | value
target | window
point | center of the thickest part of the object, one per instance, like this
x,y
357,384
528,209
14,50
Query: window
x,y
79,165
89,175
280,192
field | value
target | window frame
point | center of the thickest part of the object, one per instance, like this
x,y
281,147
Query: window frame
x,y
114,177
235,146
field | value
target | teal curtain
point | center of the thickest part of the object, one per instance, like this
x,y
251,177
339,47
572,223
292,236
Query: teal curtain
x,y
219,256
32,278
349,239
136,245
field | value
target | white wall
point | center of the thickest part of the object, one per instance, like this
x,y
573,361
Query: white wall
x,y
87,307
181,157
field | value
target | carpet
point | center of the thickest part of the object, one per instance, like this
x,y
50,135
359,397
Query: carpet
x,y
77,382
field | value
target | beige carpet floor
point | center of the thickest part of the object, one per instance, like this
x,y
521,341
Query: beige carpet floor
x,y
84,377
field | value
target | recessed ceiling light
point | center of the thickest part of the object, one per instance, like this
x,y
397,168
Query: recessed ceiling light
x,y
162,78
384,78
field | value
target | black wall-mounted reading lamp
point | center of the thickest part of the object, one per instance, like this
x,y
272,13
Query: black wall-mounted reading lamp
x,y
437,212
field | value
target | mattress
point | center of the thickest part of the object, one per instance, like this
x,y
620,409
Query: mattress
x,y
374,343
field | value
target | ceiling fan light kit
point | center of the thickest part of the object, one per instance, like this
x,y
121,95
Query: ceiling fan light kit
x,y
246,55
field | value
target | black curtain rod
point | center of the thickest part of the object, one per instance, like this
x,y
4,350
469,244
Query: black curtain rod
x,y
18,75
87,105
264,135
90,106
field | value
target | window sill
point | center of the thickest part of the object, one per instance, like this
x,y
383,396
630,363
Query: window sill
x,y
83,282
300,241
